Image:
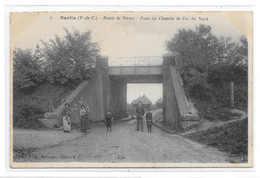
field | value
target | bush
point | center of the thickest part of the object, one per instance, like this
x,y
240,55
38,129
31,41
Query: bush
x,y
195,84
26,115
222,74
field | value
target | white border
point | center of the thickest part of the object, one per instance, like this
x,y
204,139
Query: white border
x,y
129,8
236,172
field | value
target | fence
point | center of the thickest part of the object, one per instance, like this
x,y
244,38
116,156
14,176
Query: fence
x,y
136,61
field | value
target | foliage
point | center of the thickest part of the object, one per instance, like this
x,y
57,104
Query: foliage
x,y
195,46
222,74
27,69
26,115
67,61
207,66
28,107
70,59
47,97
195,83
200,48
209,63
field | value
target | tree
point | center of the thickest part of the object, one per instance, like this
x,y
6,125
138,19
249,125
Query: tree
x,y
194,46
27,72
201,49
71,59
235,68
209,61
243,50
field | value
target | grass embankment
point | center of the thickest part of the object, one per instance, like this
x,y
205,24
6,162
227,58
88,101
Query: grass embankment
x,y
217,128
30,106
230,137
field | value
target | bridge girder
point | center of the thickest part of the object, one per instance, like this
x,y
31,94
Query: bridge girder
x,y
135,70
138,78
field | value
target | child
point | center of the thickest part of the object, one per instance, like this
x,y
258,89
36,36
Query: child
x,y
108,120
149,121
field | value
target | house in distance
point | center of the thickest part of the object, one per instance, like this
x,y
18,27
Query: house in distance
x,y
144,100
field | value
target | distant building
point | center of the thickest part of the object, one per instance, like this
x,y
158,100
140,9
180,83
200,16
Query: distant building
x,y
144,100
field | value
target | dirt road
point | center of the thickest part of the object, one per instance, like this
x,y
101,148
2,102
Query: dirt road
x,y
124,144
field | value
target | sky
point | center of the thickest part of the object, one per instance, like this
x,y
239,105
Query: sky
x,y
152,91
139,35
121,38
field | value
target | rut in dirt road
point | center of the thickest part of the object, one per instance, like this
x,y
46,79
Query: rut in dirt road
x,y
124,144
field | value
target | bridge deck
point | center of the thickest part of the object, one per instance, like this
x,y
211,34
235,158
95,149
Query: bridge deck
x,y
138,78
135,70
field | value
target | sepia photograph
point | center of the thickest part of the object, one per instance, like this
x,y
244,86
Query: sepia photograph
x,y
134,89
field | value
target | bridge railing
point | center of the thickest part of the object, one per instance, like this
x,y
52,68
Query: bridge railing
x,y
136,61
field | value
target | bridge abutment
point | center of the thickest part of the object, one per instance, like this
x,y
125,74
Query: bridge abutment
x,y
95,93
170,105
176,107
118,101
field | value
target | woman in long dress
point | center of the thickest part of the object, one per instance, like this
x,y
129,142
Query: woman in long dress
x,y
84,112
66,118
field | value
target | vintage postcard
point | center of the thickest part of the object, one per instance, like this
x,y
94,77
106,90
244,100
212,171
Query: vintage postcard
x,y
143,89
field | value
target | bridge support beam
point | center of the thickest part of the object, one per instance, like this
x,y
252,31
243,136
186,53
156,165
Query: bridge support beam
x,y
176,106
118,98
97,90
170,106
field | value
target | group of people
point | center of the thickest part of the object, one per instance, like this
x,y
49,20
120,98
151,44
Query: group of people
x,y
140,115
84,119
66,119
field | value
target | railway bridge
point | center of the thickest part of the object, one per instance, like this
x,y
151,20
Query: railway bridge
x,y
107,89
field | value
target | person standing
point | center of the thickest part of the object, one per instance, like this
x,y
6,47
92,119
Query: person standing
x,y
108,120
66,118
149,120
139,116
84,118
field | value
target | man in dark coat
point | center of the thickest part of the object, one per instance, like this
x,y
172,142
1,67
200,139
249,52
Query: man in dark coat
x,y
139,116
